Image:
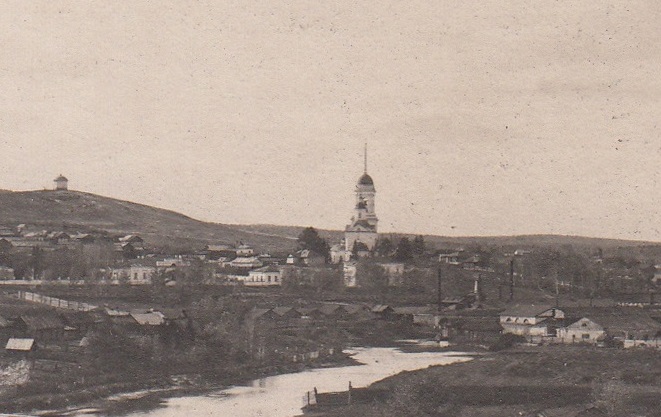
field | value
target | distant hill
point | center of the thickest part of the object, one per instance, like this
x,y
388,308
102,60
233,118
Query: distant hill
x,y
74,210
79,211
449,242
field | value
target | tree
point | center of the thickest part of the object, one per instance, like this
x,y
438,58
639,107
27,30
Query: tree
x,y
373,278
418,247
384,247
404,251
310,239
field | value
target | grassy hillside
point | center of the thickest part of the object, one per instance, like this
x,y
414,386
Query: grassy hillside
x,y
73,210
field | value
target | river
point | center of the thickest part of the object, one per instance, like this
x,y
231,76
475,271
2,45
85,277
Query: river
x,y
283,395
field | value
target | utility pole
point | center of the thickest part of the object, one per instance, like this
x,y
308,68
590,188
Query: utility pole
x,y
439,295
511,279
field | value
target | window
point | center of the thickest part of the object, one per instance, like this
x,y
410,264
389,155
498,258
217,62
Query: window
x,y
525,320
584,324
585,336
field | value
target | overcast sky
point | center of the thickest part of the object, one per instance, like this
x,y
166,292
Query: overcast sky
x,y
497,117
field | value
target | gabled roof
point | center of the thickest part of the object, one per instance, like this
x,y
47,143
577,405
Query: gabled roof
x,y
307,311
256,313
526,310
22,345
380,308
362,224
329,309
355,308
622,320
585,324
149,319
42,322
269,268
282,311
412,310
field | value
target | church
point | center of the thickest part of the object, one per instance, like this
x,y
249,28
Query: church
x,y
360,236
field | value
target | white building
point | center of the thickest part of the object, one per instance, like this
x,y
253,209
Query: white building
x,y
133,275
531,320
244,250
394,271
582,331
61,183
246,263
350,271
267,276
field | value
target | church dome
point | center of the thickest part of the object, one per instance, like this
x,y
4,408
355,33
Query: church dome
x,y
365,180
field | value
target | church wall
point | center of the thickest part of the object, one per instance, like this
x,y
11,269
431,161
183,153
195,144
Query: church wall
x,y
368,238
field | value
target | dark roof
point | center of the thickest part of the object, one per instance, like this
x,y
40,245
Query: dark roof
x,y
622,320
285,311
355,308
61,178
479,324
528,310
363,223
42,322
365,180
329,309
415,310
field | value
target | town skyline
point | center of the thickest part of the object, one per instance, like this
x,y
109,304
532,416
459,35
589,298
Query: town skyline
x,y
481,120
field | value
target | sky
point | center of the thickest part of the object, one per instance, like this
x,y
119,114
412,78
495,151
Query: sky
x,y
481,118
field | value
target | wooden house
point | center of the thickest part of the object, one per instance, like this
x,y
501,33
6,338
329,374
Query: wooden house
x,y
44,328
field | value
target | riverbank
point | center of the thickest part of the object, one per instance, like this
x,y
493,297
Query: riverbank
x,y
557,380
116,398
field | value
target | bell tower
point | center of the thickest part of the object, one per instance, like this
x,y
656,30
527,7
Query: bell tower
x,y
363,227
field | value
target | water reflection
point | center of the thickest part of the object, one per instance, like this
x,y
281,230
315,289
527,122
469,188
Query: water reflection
x,y
284,395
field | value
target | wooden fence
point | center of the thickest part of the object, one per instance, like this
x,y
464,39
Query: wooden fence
x,y
55,302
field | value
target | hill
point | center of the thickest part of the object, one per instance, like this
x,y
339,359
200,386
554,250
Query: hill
x,y
79,211
450,242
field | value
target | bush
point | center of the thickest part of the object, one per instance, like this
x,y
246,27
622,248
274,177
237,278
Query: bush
x,y
506,341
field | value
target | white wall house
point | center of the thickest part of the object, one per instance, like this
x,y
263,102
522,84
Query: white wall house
x,y
267,276
134,275
531,320
350,271
582,331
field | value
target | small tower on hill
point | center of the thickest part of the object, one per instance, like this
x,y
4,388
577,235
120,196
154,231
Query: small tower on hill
x,y
61,183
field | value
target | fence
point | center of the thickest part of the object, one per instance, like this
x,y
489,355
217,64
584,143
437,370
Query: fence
x,y
55,302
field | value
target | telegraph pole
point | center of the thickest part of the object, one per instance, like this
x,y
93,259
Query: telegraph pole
x,y
512,279
439,294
